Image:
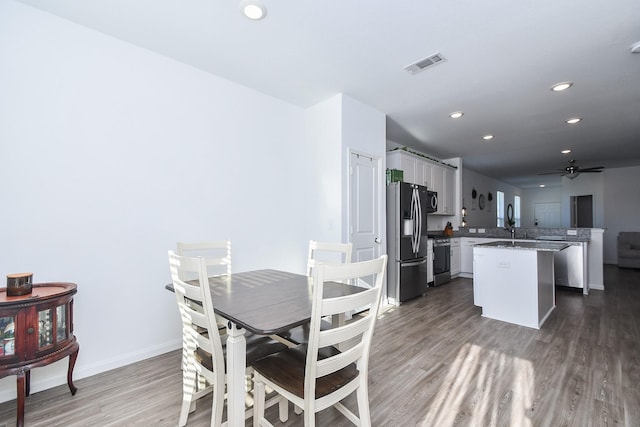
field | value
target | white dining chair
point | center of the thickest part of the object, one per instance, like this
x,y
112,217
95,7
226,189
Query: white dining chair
x,y
327,252
203,349
319,253
217,254
317,376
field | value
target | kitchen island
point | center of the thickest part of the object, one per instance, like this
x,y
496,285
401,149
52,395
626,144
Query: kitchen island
x,y
514,281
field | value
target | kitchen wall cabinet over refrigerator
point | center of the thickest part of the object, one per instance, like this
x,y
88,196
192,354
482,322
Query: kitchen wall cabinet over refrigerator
x,y
433,175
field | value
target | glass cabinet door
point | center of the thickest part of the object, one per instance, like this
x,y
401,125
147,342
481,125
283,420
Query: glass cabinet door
x,y
45,328
7,336
61,322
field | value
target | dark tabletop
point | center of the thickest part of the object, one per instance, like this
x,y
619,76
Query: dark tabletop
x,y
268,301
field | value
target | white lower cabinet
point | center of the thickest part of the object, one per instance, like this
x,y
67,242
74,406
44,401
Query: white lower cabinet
x,y
466,253
466,256
455,265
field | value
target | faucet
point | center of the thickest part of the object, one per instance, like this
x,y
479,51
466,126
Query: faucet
x,y
511,229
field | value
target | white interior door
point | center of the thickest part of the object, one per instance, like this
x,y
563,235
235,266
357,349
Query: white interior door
x,y
547,215
365,208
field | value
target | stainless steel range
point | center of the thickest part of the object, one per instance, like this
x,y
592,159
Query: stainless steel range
x,y
441,260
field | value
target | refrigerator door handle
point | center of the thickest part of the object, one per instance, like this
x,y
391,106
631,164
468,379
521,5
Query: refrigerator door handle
x,y
413,264
419,234
413,217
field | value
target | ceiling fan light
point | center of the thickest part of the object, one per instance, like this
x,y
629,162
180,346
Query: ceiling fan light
x,y
572,175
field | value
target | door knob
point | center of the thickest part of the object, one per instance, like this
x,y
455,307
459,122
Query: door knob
x,y
376,240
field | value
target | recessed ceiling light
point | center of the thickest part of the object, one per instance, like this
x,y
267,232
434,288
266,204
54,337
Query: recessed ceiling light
x,y
456,114
253,9
487,137
542,185
559,87
567,151
574,120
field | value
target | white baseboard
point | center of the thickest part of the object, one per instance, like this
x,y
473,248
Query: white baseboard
x,y
83,371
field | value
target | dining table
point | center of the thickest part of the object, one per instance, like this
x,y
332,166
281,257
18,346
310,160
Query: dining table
x,y
265,302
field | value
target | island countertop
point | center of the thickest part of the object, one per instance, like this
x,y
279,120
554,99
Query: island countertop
x,y
529,246
578,235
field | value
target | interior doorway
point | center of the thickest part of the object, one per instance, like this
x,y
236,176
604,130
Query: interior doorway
x,y
365,206
582,211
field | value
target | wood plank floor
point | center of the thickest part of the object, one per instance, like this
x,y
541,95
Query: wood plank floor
x,y
435,362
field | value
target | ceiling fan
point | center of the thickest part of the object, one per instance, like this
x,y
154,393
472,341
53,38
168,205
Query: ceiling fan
x,y
572,170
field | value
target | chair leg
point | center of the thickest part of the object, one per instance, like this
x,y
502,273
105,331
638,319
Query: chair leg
x,y
309,419
363,405
258,403
218,402
283,409
188,391
297,409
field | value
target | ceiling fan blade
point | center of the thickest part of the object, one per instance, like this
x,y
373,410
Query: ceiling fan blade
x,y
589,171
553,173
592,169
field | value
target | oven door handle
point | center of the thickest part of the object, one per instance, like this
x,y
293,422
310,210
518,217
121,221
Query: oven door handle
x,y
413,264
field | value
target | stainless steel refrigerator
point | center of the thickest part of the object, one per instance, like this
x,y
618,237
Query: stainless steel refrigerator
x,y
406,241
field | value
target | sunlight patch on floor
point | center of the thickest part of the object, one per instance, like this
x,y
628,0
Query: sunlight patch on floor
x,y
468,391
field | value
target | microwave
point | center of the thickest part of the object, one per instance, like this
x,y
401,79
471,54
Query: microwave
x,y
432,201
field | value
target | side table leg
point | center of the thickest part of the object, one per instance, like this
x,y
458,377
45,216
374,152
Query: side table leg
x,y
72,363
20,398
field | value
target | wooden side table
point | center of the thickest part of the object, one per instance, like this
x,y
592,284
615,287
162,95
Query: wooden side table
x,y
35,330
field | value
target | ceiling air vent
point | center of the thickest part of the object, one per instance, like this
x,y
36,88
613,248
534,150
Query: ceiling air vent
x,y
425,63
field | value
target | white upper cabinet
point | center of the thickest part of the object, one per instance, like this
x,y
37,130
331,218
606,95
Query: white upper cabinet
x,y
435,176
449,191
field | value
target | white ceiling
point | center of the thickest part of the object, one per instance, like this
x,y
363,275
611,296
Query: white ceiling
x,y
502,56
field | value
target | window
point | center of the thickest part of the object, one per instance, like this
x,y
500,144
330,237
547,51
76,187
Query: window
x,y
500,209
516,210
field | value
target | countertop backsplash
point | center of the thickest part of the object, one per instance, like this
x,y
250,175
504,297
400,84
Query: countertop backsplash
x,y
533,233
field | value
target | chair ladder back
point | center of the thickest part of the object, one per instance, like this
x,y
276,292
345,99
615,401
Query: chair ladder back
x,y
199,327
216,253
361,328
335,336
335,363
327,253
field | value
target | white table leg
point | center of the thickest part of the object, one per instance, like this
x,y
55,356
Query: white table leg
x,y
236,366
336,321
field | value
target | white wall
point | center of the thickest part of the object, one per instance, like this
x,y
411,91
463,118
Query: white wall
x,y
621,203
363,132
334,127
112,153
486,217
533,196
323,132
616,196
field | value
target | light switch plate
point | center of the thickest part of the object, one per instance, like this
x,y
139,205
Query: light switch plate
x,y
572,232
472,230
481,230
